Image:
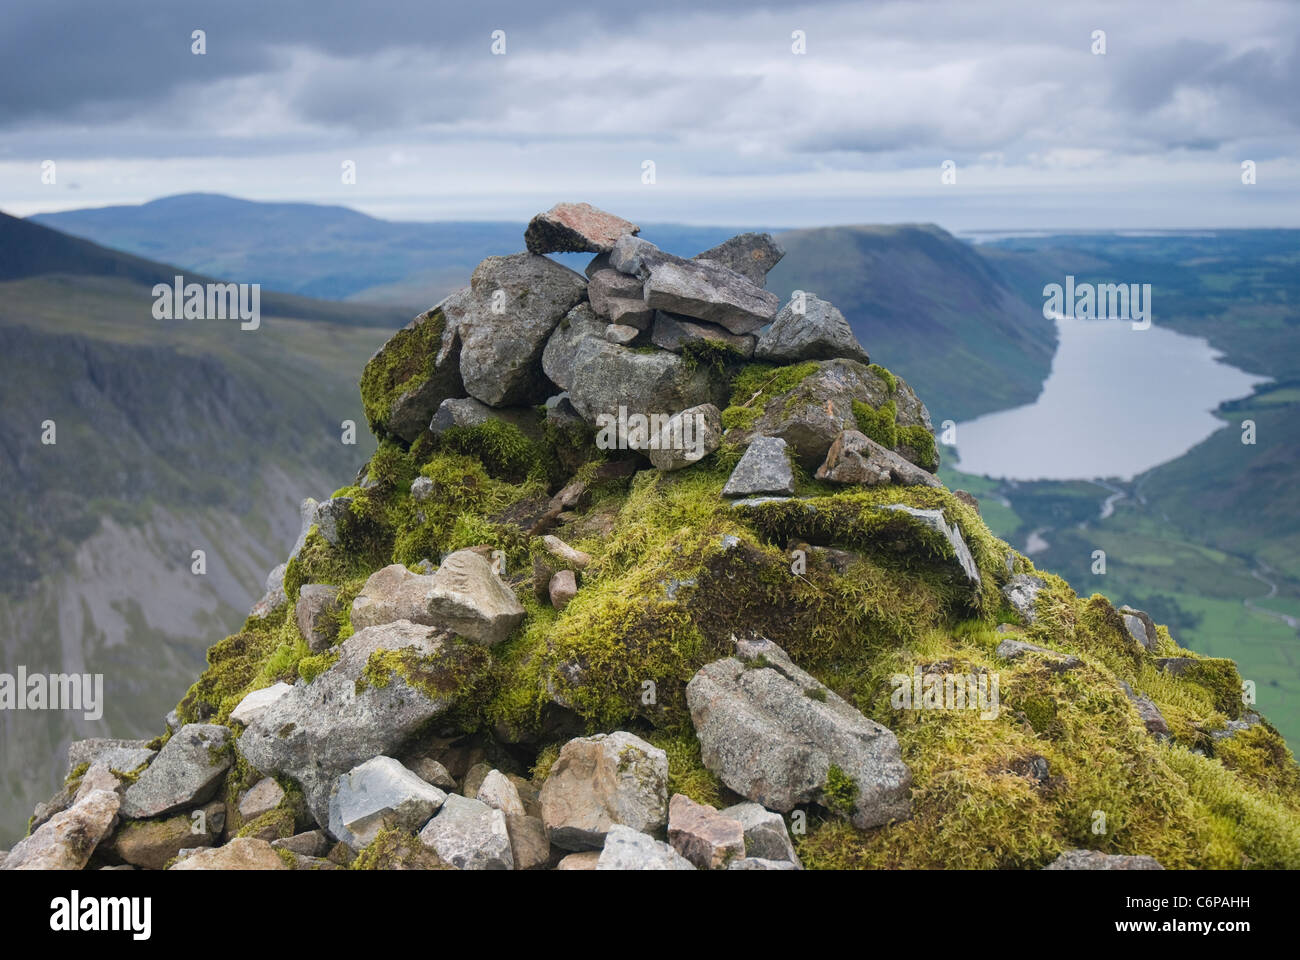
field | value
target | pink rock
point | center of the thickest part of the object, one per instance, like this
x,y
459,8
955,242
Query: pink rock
x,y
564,587
574,228
703,835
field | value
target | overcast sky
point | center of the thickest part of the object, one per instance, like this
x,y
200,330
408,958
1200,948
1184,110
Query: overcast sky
x,y
742,130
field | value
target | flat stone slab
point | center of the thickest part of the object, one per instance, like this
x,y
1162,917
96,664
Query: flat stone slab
x,y
576,228
764,469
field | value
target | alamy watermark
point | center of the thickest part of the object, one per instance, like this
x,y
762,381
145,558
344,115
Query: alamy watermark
x,y
946,691
209,301
55,691
1098,301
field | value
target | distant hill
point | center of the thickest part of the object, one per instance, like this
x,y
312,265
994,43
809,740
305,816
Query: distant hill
x,y
924,302
169,435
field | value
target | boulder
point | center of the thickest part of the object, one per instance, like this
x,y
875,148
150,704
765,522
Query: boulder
x,y
186,772
708,839
766,836
514,305
779,737
856,458
673,333
560,355
151,844
67,839
1096,860
687,437
316,613
469,835
377,795
752,255
1022,593
413,372
124,755
325,728
258,702
562,588
576,228
811,415
262,797
764,468
603,780
819,332
628,849
241,853
607,376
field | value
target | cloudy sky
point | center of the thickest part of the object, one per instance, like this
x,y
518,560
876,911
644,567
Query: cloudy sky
x,y
741,129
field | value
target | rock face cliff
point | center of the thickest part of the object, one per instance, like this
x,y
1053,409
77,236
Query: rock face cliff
x,y
652,571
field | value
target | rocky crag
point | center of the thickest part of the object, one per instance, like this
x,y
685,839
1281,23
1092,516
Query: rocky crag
x,y
651,571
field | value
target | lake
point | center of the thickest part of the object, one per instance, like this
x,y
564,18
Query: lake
x,y
1117,402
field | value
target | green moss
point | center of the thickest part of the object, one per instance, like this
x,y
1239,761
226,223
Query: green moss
x,y
501,447
711,355
920,441
394,849
878,423
686,771
756,383
402,365
891,381
311,667
740,418
840,792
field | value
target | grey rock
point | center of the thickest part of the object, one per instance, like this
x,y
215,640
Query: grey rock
x,y
67,840
560,412
1015,649
258,702
607,377
1175,666
1022,593
576,228
1096,860
474,778
673,333
172,721
687,437
752,255
325,728
316,613
376,795
124,755
186,772
505,333
934,519
758,863
390,594
422,487
619,298
600,781
469,835
856,458
468,412
819,408
628,849
431,771
706,291
332,518
560,355
764,468
635,256
820,332
1234,727
769,740
499,793
1140,627
766,836
468,597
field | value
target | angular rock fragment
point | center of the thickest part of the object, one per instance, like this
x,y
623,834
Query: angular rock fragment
x,y
600,781
935,520
377,795
764,468
67,839
124,755
1096,860
752,255
468,597
262,797
1022,593
1140,627
576,228
560,355
708,839
151,844
316,614
809,329
608,377
1015,649
779,737
186,772
241,853
469,835
1151,716
675,333
413,372
705,291
256,703
628,849
766,836
563,588
687,437
856,458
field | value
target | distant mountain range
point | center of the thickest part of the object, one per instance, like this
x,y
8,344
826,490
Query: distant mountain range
x,y
926,304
